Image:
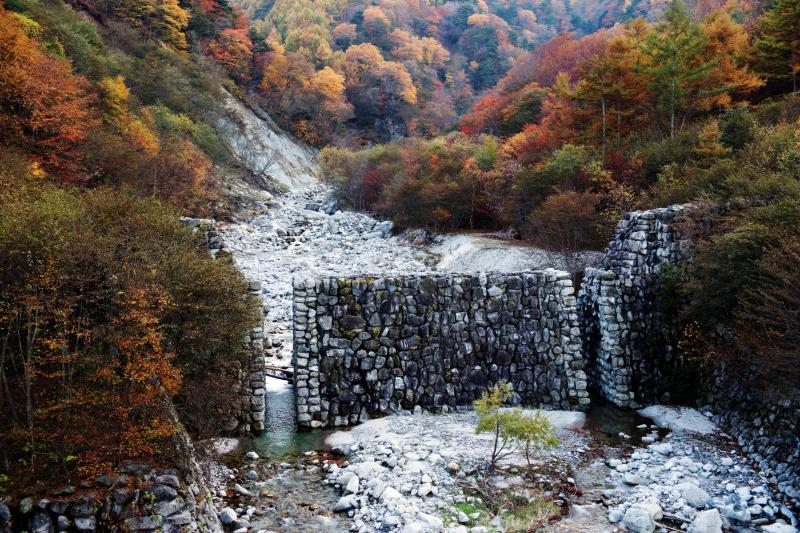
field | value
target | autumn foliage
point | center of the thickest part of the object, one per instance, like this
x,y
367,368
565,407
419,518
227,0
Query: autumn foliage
x,y
428,62
105,304
84,123
44,108
595,118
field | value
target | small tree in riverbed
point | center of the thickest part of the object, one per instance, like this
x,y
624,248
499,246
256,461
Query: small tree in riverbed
x,y
513,429
532,433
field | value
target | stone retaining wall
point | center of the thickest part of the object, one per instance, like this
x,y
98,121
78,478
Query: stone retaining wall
x,y
630,354
367,346
251,412
764,425
628,343
248,406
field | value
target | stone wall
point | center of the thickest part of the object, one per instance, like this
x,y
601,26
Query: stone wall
x,y
764,425
628,343
630,354
251,412
367,346
247,411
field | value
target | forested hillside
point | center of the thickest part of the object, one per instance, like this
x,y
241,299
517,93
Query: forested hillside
x,y
109,306
547,117
353,72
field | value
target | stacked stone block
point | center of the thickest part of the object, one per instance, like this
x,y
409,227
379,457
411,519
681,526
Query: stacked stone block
x,y
252,378
370,346
628,343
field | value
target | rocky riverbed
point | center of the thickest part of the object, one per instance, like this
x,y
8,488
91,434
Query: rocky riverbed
x,y
426,473
695,478
410,473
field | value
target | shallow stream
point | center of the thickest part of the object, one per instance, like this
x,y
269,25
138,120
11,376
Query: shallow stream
x,y
281,436
605,422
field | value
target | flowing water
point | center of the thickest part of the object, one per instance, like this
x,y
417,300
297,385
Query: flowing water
x,y
294,498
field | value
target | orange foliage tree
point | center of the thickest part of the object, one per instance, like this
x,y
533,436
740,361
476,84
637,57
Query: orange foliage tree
x,y
45,110
233,49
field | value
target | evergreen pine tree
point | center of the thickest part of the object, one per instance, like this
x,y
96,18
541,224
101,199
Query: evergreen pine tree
x,y
675,66
779,44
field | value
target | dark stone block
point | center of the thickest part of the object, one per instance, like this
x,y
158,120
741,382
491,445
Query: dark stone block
x,y
85,506
478,378
352,322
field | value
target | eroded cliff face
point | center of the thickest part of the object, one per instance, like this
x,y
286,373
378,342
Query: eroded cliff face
x,y
264,149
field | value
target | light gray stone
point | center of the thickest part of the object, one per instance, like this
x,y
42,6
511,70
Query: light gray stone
x,y
227,516
637,520
706,522
694,495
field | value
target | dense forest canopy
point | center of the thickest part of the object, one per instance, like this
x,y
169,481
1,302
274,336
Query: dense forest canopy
x,y
407,68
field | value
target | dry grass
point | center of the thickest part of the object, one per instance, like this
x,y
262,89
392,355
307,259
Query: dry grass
x,y
529,516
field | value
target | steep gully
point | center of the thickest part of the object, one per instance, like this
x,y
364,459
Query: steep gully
x,y
625,468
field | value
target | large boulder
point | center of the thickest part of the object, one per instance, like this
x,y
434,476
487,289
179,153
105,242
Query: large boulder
x,y
638,520
227,516
779,527
345,503
385,227
352,485
694,495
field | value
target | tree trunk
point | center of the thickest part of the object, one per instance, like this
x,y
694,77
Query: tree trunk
x,y
9,399
496,441
672,112
619,122
603,127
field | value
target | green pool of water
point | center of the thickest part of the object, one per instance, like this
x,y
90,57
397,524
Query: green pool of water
x,y
606,421
281,435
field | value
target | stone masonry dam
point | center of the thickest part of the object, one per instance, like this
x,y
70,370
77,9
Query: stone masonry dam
x,y
365,346
369,346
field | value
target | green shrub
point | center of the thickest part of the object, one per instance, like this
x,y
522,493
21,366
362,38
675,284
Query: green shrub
x,y
779,110
658,155
512,429
737,128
